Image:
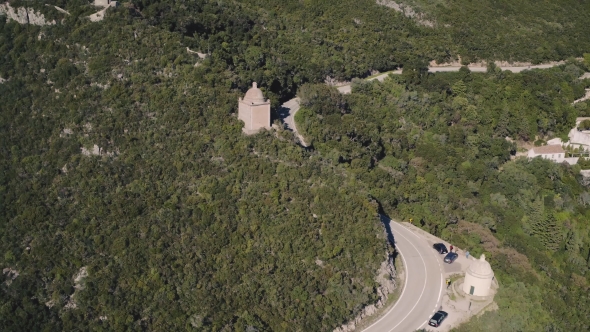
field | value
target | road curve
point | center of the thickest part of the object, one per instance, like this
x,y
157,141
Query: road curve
x,y
291,107
422,290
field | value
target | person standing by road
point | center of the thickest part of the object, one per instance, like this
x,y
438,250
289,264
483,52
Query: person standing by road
x,y
451,248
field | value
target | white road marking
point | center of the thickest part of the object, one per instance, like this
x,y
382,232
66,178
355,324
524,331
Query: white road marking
x,y
406,281
423,287
440,291
401,296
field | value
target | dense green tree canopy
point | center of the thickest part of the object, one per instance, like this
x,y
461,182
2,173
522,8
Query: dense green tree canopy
x,y
130,200
436,150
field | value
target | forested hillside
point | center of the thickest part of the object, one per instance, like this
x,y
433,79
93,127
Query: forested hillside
x,y
525,30
175,221
434,148
130,200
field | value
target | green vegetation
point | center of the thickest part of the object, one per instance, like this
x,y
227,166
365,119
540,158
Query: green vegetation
x,y
584,125
433,148
525,30
182,223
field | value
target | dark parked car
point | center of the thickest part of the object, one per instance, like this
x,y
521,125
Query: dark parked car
x,y
450,257
440,247
438,318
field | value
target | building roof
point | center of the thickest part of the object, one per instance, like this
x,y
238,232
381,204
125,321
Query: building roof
x,y
254,94
481,268
548,149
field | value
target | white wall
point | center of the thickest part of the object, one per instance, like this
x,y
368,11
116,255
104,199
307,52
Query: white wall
x,y
481,286
556,157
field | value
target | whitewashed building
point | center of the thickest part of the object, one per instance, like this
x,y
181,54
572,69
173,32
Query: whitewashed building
x,y
478,278
552,152
555,153
576,138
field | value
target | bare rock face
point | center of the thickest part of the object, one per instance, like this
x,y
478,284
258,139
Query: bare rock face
x,y
407,11
10,275
386,278
585,179
98,151
78,286
15,14
37,18
23,15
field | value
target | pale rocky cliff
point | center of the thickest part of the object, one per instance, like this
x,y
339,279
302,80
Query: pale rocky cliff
x,y
407,11
386,278
23,15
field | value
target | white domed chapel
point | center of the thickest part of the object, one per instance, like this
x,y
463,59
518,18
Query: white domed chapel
x,y
478,278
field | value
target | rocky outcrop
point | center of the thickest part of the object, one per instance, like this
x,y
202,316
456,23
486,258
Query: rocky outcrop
x,y
24,15
585,179
386,278
407,11
97,151
94,152
10,275
78,286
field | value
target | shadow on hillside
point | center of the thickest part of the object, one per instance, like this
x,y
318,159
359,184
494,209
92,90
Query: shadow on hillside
x,y
281,114
386,220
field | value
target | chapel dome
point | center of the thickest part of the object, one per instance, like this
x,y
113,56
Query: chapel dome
x,y
254,94
481,268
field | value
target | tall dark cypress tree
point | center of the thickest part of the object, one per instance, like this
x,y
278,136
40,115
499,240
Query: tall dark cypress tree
x,y
548,232
536,216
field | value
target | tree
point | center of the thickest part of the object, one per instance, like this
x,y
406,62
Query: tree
x,y
548,232
584,125
415,71
459,88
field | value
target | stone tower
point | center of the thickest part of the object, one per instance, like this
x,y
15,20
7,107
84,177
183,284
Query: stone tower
x,y
254,110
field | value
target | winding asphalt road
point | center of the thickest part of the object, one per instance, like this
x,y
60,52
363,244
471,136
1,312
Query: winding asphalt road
x,y
422,291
